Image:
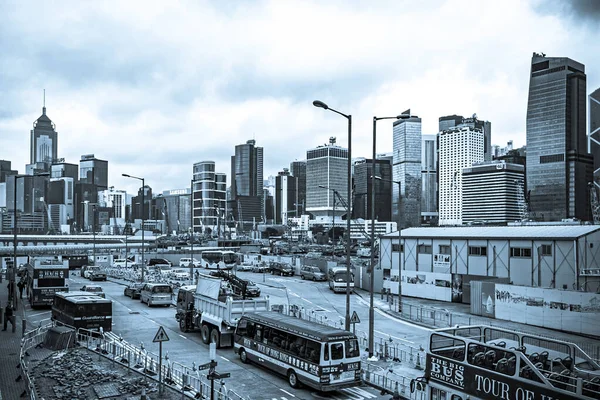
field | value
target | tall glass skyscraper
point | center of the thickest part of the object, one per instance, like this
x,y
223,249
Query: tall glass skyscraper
x,y
44,140
406,169
559,166
247,198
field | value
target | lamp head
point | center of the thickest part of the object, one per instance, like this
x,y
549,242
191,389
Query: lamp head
x,y
126,175
404,115
323,186
320,104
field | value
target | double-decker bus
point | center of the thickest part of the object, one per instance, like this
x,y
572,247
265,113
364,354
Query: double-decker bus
x,y
45,277
82,310
484,362
318,356
76,260
219,259
338,279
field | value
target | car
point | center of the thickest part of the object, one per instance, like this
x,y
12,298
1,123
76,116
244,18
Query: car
x,y
180,274
121,263
158,261
93,289
185,262
313,273
89,270
98,275
133,290
277,268
244,267
220,273
262,268
237,285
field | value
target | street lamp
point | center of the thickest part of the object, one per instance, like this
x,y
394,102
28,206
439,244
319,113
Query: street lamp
x,y
192,231
143,210
320,104
404,115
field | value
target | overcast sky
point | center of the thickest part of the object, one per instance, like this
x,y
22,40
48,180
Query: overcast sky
x,y
154,86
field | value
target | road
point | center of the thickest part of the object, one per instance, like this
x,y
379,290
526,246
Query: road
x,y
137,323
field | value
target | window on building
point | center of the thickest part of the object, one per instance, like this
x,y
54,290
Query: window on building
x,y
396,246
424,248
477,251
444,249
520,252
546,250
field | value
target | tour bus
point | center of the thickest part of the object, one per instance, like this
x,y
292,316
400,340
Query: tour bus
x,y
44,278
318,356
338,279
156,294
82,310
219,259
484,362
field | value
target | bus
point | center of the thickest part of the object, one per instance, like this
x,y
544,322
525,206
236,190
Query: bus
x,y
82,310
318,356
338,279
76,260
485,362
219,259
44,278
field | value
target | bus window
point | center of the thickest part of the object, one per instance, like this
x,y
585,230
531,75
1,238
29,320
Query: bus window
x,y
352,349
337,351
447,347
313,351
326,353
242,328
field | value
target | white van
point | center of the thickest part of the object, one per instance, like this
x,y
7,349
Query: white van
x,y
122,263
185,262
156,294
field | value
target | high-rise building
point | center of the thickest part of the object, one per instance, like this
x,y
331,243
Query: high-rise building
x,y
285,196
594,136
429,209
298,170
458,148
60,201
449,121
31,207
209,191
326,171
93,171
486,127
407,171
559,166
65,170
114,200
247,199
5,170
490,192
383,189
44,141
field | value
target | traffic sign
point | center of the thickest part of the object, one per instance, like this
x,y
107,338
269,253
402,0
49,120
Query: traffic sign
x,y
354,319
161,336
208,365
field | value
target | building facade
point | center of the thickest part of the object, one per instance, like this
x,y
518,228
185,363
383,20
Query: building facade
x,y
429,195
93,171
44,141
559,166
458,148
594,135
209,193
247,184
298,170
490,193
406,203
383,189
285,196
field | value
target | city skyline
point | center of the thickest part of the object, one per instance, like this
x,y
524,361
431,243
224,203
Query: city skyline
x,y
137,97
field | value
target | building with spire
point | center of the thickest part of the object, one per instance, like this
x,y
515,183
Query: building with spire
x,y
43,144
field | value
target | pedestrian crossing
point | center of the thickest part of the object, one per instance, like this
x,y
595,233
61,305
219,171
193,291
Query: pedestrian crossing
x,y
343,394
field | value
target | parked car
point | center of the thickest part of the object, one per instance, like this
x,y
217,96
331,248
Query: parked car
x,y
277,268
133,290
260,268
244,267
93,289
185,262
122,262
158,261
314,273
180,274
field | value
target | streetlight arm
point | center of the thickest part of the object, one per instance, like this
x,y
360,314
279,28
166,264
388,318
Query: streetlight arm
x,y
131,176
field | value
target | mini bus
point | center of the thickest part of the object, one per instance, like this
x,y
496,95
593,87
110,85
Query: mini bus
x,y
319,356
79,309
156,294
338,279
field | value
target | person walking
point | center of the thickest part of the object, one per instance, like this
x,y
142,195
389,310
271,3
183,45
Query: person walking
x,y
9,316
21,286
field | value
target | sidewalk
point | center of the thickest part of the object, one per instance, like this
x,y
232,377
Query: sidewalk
x,y
10,344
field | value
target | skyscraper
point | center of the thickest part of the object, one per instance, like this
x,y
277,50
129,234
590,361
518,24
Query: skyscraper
x,y
407,171
558,164
93,171
209,196
44,141
449,121
594,124
429,211
383,189
285,196
298,170
247,200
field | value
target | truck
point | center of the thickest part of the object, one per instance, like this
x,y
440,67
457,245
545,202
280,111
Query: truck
x,y
213,309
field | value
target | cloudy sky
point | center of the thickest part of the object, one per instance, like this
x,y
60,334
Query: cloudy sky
x,y
154,86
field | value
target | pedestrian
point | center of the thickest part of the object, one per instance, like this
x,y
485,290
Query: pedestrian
x,y
21,286
9,316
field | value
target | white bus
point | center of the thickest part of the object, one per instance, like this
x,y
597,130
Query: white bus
x,y
319,356
338,279
219,259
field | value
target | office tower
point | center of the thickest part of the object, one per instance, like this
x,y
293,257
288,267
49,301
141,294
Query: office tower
x,y
449,121
458,148
61,195
298,170
429,210
594,136
407,171
114,200
31,207
93,171
559,166
486,127
5,170
139,208
247,201
383,189
326,171
65,170
490,192
209,192
44,141
285,196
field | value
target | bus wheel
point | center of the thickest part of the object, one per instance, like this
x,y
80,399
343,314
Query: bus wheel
x,y
182,326
243,356
205,331
293,379
215,336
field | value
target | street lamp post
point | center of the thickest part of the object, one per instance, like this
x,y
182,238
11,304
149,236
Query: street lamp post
x,y
320,104
192,231
143,210
94,232
404,115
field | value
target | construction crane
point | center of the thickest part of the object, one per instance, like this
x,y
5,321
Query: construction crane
x,y
521,201
595,204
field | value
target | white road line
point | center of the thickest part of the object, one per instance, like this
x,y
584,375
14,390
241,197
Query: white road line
x,y
182,336
288,393
308,301
35,315
153,321
224,358
395,337
402,321
363,393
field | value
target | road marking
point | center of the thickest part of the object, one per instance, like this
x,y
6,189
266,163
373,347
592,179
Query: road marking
x,y
224,358
308,301
361,392
153,321
42,313
395,337
288,393
182,336
401,321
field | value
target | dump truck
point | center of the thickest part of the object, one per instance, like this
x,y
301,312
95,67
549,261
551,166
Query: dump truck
x,y
212,308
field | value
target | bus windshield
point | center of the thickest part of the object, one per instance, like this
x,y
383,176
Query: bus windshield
x,y
229,258
340,277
